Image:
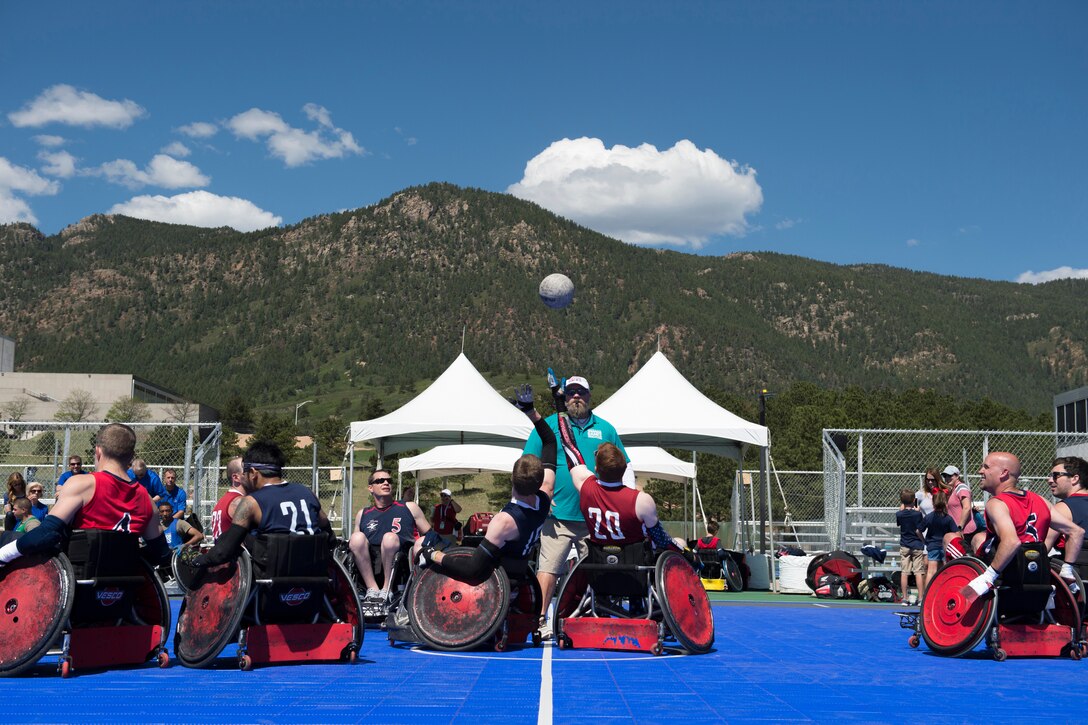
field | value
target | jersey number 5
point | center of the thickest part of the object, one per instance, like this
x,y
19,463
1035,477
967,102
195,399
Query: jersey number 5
x,y
611,520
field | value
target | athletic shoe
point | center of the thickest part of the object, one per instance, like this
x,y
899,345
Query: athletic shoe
x,y
373,595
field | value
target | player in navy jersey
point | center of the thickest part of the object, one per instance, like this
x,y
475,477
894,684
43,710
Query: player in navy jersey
x,y
275,506
513,531
387,526
1015,517
1069,484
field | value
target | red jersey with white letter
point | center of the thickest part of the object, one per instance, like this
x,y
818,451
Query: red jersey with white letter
x,y
117,505
221,520
1030,515
609,511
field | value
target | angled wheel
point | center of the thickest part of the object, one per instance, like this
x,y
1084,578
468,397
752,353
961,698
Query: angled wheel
x,y
572,588
211,612
810,573
733,578
953,624
36,595
1080,597
839,563
684,603
344,599
449,614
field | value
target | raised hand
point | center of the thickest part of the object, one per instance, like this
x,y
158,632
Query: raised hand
x,y
523,398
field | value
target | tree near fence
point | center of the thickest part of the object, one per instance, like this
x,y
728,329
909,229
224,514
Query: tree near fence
x,y
78,406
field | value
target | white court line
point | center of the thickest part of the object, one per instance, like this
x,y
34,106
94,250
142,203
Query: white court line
x,y
821,606
544,716
547,648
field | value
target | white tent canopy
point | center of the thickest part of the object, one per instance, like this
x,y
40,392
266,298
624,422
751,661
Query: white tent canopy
x,y
455,460
459,407
659,407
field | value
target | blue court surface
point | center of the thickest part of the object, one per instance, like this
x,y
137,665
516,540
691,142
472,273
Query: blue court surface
x,y
800,661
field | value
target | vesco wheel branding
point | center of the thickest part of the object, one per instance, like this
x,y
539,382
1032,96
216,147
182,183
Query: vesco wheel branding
x,y
109,596
296,596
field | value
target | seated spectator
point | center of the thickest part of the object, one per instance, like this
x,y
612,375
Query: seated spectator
x,y
16,489
26,520
75,468
174,495
178,532
34,492
147,478
711,540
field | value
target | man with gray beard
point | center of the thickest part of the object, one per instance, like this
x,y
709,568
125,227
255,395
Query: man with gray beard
x,y
566,527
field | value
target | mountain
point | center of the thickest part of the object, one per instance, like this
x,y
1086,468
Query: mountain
x,y
380,295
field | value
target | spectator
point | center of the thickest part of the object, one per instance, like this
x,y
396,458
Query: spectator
x,y
174,495
936,525
16,489
912,550
147,478
566,527
1069,484
34,492
178,532
25,519
75,468
931,483
711,540
960,507
444,519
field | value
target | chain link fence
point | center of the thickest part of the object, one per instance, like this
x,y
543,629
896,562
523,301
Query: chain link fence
x,y
864,471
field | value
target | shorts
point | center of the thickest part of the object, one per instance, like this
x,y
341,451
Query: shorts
x,y
935,555
912,561
556,538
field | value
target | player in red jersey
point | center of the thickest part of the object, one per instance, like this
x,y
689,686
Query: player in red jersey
x,y
615,514
1015,517
223,513
106,499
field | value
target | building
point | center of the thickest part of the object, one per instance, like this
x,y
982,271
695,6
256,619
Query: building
x,y
1071,418
39,396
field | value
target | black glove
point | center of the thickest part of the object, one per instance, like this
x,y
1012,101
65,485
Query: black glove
x,y
199,562
523,398
426,556
189,556
559,400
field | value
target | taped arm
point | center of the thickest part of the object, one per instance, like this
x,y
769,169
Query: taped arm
x,y
45,539
227,547
478,566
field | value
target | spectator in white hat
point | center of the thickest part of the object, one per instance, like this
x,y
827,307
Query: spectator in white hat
x,y
444,518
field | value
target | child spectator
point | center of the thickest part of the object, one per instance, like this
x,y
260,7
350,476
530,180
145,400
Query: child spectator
x,y
16,489
936,525
912,557
26,521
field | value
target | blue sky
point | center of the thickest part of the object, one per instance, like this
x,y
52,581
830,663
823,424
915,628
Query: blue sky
x,y
947,137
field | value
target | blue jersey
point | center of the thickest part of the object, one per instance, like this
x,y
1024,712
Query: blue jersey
x,y
287,508
529,521
936,525
173,539
396,518
595,432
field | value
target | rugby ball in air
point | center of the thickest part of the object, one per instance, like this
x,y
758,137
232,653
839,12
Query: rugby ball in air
x,y
556,291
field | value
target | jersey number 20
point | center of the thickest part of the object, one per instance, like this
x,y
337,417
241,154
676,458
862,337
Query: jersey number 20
x,y
611,520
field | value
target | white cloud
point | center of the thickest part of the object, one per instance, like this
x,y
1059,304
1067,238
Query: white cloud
x,y
680,196
787,224
64,104
912,242
201,209
23,180
199,129
176,149
293,145
58,163
163,170
410,140
50,141
1050,275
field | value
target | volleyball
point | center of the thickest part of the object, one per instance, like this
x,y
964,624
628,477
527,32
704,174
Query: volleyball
x,y
556,291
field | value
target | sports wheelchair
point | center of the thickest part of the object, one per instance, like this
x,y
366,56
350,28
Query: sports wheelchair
x,y
1031,611
721,570
626,598
375,614
100,605
286,598
445,613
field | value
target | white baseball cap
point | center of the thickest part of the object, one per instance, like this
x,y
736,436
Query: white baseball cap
x,y
577,380
446,492
951,471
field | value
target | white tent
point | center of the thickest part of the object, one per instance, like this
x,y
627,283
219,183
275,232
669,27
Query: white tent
x,y
659,407
460,407
454,460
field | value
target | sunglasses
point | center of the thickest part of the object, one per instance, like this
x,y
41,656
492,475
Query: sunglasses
x,y
575,391
72,463
380,480
1055,475
35,490
931,480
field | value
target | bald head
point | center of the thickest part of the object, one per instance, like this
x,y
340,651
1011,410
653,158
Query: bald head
x,y
999,472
